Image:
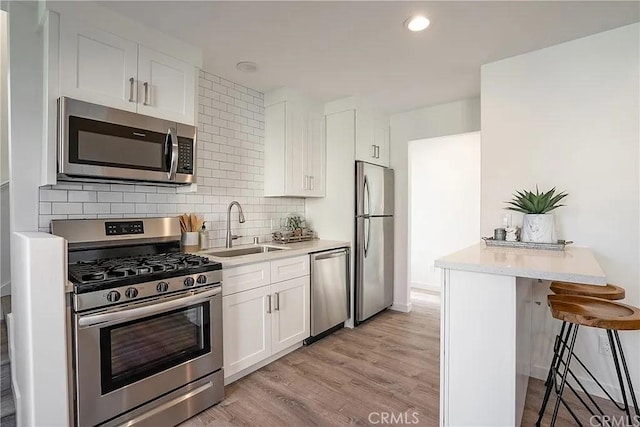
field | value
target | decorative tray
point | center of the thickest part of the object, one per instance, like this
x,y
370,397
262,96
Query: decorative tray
x,y
559,246
289,237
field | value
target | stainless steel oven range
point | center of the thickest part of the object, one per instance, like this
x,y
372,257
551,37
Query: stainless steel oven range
x,y
146,323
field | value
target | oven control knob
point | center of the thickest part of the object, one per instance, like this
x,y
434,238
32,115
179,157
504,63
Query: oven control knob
x,y
113,296
162,287
131,293
189,281
202,279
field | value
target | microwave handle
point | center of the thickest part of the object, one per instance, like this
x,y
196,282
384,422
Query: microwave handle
x,y
173,145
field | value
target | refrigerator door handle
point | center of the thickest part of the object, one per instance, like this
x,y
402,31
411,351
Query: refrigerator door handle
x,y
367,201
368,236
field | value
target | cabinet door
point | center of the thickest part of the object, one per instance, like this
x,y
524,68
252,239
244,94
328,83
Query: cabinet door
x,y
365,144
381,140
97,66
296,151
169,92
247,329
316,149
291,317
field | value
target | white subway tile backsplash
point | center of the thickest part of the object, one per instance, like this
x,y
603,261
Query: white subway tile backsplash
x,y
82,196
230,166
134,197
96,208
47,195
96,187
66,208
157,198
120,208
109,196
45,208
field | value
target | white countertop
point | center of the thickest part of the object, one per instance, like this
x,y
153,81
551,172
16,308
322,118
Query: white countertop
x,y
288,250
574,264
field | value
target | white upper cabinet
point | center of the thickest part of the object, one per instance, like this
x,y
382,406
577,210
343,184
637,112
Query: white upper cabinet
x,y
316,146
372,138
166,86
295,149
97,66
103,68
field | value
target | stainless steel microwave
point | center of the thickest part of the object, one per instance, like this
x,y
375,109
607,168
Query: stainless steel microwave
x,y
97,143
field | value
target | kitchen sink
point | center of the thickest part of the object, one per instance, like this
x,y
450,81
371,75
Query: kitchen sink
x,y
244,251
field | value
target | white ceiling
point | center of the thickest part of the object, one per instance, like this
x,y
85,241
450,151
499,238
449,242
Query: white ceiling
x,y
335,49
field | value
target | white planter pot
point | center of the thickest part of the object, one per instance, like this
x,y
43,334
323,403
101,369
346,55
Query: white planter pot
x,y
538,228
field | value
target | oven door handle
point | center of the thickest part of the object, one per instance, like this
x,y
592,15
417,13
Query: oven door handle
x,y
125,315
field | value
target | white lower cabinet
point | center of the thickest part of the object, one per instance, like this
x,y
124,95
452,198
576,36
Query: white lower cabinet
x,y
247,329
261,322
291,320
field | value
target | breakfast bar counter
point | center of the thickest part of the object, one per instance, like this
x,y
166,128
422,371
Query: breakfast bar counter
x,y
485,327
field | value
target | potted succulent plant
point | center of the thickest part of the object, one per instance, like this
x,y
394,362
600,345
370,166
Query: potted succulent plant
x,y
538,223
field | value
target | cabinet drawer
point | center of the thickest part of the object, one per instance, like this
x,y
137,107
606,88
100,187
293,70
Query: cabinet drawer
x,y
238,279
289,268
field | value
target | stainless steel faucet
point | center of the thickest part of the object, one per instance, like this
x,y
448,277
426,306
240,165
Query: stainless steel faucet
x,y
231,237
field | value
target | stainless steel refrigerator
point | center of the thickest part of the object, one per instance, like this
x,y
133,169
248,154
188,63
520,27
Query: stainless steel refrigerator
x,y
374,240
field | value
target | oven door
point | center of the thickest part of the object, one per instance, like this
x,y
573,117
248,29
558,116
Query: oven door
x,y
104,143
129,356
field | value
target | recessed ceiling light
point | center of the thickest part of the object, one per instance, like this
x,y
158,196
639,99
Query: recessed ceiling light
x,y
247,66
417,23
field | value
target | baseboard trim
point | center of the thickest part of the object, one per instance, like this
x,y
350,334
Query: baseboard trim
x,y
425,286
404,308
540,372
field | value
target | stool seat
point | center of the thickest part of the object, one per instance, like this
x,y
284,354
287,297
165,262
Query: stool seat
x,y
594,312
610,292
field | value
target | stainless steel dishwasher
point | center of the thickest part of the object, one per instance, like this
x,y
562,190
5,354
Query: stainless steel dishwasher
x,y
330,279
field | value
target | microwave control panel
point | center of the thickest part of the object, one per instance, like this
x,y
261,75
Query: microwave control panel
x,y
185,156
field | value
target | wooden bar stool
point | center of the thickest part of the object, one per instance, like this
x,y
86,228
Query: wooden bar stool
x,y
609,292
576,311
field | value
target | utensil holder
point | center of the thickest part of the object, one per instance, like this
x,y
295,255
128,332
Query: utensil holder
x,y
190,241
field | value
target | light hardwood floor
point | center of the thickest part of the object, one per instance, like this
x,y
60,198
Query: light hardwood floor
x,y
389,364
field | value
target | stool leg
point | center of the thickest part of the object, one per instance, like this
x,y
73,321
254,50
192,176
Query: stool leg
x,y
615,351
563,379
553,367
616,362
626,372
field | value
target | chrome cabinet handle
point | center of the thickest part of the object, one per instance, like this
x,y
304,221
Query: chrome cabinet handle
x,y
146,93
374,151
269,304
377,151
306,182
131,84
171,133
276,306
311,183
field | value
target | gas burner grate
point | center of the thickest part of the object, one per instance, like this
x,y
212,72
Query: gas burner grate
x,y
95,271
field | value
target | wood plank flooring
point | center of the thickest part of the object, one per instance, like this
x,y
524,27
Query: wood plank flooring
x,y
389,364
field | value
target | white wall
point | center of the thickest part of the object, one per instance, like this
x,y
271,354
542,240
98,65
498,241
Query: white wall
x,y
568,116
25,113
447,119
445,201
